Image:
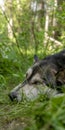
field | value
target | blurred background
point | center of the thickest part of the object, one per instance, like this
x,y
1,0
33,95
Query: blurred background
x,y
28,27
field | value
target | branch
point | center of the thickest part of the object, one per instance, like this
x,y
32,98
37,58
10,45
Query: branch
x,y
54,40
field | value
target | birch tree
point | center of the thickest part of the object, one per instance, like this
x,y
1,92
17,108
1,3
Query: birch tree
x,y
50,9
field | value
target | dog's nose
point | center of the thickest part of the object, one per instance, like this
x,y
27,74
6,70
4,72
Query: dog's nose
x,y
15,96
12,96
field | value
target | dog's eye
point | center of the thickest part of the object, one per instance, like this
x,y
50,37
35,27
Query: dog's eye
x,y
36,82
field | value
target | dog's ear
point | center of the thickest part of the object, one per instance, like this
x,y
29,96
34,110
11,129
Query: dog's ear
x,y
36,59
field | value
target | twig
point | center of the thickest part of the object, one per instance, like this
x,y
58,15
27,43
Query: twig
x,y
54,40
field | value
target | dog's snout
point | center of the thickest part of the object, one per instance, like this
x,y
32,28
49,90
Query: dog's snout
x,y
12,96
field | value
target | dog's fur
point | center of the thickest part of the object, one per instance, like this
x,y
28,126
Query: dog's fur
x,y
50,70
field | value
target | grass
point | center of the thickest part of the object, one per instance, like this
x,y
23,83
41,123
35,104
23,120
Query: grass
x,y
40,114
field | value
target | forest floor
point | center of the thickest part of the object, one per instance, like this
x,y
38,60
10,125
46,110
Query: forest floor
x,y
40,114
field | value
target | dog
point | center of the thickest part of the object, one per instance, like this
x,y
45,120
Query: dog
x,y
49,71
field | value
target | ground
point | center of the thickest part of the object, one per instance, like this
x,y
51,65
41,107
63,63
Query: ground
x,y
28,115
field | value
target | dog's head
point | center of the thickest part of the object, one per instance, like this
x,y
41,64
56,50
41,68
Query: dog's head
x,y
33,77
40,72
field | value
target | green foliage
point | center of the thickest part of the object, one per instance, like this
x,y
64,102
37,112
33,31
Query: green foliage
x,y
16,56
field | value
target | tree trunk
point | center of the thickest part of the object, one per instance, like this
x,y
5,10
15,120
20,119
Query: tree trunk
x,y
46,24
10,20
50,10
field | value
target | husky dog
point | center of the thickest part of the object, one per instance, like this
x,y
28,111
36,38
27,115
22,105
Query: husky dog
x,y
49,72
